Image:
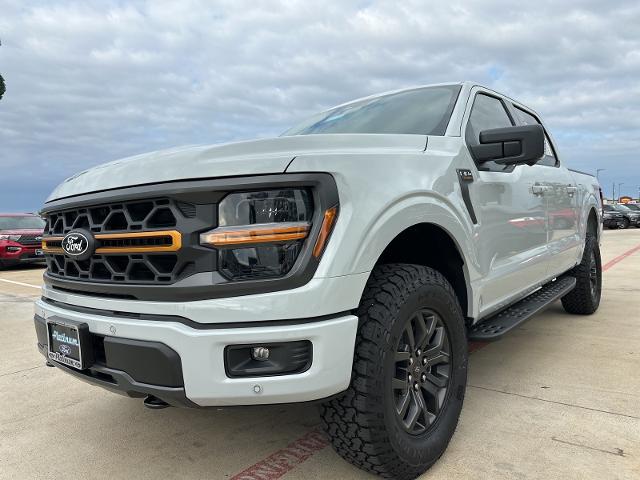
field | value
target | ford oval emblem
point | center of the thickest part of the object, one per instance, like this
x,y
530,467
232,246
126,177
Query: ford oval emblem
x,y
65,349
75,244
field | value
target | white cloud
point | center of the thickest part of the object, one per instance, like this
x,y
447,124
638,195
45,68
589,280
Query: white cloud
x,y
90,82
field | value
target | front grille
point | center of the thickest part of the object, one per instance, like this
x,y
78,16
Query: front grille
x,y
133,244
148,268
127,262
127,216
31,240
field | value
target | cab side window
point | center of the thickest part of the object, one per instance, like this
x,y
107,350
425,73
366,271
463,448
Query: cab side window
x,y
549,158
486,113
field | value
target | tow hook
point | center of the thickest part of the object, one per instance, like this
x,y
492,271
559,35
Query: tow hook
x,y
155,403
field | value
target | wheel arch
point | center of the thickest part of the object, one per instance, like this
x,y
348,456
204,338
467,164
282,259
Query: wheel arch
x,y
433,246
592,223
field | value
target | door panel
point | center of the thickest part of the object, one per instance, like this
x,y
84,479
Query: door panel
x,y
511,232
562,205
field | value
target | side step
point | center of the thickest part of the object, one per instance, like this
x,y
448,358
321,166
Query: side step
x,y
497,325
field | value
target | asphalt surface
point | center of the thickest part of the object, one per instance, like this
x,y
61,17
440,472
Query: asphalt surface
x,y
557,398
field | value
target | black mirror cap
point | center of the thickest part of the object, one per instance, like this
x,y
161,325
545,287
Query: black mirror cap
x,y
510,145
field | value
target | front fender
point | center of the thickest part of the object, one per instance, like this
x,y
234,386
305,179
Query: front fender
x,y
382,195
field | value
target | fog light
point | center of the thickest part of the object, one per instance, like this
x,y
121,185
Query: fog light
x,y
265,360
260,353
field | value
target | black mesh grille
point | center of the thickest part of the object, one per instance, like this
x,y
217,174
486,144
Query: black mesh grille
x,y
122,217
132,268
117,217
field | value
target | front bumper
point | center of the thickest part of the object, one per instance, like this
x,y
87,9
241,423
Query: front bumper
x,y
612,222
23,254
201,356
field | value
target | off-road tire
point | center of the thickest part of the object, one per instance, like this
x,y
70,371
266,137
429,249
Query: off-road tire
x,y
362,423
583,299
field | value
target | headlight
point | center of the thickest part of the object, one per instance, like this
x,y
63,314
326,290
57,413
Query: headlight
x,y
260,234
13,238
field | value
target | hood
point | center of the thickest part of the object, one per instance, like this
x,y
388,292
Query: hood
x,y
22,231
256,157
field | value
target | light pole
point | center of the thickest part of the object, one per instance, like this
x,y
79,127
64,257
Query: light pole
x,y
620,190
613,192
598,172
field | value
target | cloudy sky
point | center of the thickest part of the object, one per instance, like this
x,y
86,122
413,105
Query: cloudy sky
x,y
89,82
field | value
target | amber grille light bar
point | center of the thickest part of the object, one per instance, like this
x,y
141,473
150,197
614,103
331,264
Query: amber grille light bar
x,y
138,242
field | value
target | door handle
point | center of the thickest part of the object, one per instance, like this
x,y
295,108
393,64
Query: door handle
x,y
571,190
539,189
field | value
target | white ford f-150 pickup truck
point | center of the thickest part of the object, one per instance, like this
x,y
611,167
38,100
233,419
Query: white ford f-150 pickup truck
x,y
348,261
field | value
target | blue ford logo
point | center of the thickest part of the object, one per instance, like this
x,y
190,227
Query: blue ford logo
x,y
65,349
75,244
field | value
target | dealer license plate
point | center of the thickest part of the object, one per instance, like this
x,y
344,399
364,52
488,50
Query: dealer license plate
x,y
65,342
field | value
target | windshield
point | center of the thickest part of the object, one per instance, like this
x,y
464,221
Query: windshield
x,y
633,207
18,223
622,208
423,111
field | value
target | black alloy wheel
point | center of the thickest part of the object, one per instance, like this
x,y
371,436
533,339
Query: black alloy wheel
x,y
421,380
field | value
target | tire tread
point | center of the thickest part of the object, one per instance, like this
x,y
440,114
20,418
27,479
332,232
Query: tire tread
x,y
579,301
356,430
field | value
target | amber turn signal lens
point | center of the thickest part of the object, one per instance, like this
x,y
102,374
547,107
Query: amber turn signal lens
x,y
265,233
328,222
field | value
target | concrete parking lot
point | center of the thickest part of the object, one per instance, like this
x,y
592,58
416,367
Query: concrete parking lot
x,y
557,398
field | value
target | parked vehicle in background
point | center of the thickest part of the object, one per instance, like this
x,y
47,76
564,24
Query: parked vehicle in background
x,y
627,217
348,261
633,206
611,218
20,239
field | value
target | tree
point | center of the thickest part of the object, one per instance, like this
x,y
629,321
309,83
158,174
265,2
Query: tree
x,y
2,86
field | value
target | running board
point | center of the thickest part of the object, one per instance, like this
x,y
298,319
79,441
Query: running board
x,y
497,325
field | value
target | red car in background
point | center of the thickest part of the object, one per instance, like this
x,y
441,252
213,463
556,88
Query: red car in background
x,y
20,238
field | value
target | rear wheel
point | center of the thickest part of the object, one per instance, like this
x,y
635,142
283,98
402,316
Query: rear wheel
x,y
409,374
585,298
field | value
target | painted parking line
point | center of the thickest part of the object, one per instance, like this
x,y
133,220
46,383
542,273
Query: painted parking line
x,y
282,461
475,346
620,257
20,283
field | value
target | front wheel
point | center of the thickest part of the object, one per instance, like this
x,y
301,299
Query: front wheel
x,y
625,223
409,375
584,299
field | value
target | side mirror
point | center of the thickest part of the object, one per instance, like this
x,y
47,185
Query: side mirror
x,y
510,145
